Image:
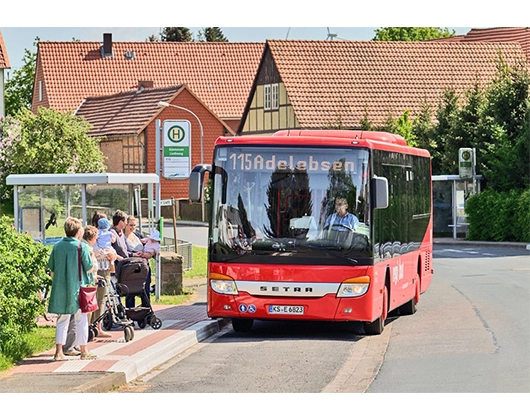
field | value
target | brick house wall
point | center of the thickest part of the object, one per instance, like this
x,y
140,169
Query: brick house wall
x,y
39,78
212,127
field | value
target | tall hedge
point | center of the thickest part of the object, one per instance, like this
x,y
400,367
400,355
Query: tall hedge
x,y
22,275
499,216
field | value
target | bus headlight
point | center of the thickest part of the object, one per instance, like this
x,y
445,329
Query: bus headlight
x,y
356,286
223,284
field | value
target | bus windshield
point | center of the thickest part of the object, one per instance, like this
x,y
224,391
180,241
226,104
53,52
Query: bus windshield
x,y
305,203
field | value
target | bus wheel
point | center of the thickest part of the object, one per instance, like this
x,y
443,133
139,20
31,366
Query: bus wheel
x,y
409,308
376,327
242,324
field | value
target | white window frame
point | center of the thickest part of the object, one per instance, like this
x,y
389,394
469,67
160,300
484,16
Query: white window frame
x,y
275,100
267,97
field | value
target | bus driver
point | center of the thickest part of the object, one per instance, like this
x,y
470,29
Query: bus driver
x,y
341,220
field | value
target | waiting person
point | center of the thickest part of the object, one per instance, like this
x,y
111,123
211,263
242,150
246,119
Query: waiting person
x,y
105,238
119,220
90,237
64,266
133,239
341,220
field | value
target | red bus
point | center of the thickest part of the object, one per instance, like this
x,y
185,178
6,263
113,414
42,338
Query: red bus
x,y
280,249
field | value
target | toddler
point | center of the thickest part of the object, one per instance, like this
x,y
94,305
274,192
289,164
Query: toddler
x,y
152,245
104,242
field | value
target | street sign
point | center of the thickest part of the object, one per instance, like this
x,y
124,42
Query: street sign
x,y
176,163
465,163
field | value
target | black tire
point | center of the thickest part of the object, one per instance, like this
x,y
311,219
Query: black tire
x,y
128,333
155,323
242,324
141,324
92,332
408,308
107,323
376,327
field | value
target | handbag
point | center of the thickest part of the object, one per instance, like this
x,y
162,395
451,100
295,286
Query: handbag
x,y
88,301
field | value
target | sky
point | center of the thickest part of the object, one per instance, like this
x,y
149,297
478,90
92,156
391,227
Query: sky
x,y
244,21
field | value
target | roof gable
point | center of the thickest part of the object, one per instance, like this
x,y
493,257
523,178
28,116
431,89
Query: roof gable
x,y
219,73
129,113
4,59
124,113
343,81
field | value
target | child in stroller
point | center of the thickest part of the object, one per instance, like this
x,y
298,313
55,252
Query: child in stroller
x,y
131,274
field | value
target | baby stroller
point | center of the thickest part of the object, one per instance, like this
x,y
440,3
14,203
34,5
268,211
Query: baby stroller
x,y
131,274
114,313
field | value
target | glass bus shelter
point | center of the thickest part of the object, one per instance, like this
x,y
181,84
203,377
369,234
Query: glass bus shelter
x,y
450,193
42,202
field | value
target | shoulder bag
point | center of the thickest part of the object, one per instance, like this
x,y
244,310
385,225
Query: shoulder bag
x,y
87,294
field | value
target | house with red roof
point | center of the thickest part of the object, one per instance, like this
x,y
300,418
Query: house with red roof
x,y
116,86
126,122
4,64
338,84
219,73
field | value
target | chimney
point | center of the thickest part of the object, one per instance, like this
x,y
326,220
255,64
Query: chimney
x,y
146,84
106,49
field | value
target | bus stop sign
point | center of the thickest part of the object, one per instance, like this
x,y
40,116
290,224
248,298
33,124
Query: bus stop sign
x,y
465,163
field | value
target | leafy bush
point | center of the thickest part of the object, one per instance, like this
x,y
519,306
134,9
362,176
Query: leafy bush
x,y
499,216
22,276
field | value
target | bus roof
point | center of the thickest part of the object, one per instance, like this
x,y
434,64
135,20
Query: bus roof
x,y
370,139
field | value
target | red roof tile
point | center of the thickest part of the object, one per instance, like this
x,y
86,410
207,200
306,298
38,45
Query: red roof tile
x,y
128,113
332,81
124,113
520,35
504,35
4,59
220,74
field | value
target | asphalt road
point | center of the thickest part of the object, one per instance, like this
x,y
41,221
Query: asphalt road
x,y
470,335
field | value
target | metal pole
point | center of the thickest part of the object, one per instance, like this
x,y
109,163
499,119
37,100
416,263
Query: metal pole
x,y
157,208
174,206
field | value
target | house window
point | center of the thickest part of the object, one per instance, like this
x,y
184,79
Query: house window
x,y
40,90
274,96
267,97
270,97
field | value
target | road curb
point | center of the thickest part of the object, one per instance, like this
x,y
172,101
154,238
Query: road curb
x,y
102,384
456,242
153,356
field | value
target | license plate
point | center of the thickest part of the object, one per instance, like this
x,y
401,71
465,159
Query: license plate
x,y
286,310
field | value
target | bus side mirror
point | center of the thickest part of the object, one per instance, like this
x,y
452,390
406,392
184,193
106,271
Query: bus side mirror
x,y
196,186
379,192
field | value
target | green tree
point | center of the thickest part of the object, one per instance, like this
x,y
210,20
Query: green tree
x,y
212,35
19,87
47,142
504,151
176,34
411,33
422,129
